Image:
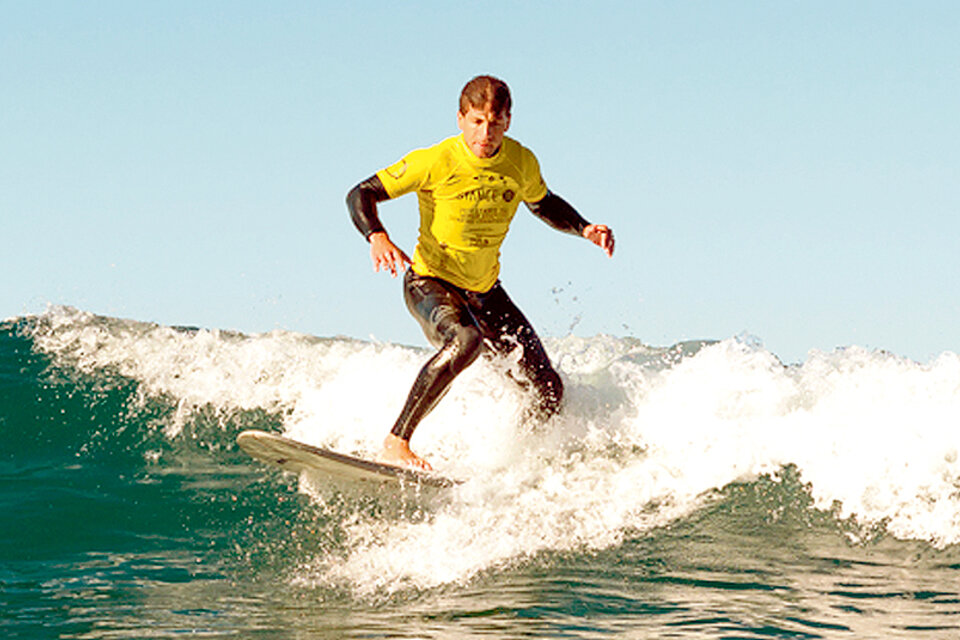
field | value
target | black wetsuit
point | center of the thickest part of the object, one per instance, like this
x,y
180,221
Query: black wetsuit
x,y
462,324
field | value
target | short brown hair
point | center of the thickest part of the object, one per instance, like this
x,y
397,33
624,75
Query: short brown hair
x,y
486,92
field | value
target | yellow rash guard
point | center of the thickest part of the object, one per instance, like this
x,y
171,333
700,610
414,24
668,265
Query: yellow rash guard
x,y
466,206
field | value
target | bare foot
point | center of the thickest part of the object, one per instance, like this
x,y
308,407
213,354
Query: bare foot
x,y
396,452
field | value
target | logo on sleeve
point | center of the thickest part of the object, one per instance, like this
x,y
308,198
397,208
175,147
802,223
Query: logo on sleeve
x,y
397,170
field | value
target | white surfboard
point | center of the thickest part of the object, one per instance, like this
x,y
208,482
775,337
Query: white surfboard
x,y
298,457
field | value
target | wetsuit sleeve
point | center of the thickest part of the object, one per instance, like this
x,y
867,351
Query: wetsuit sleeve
x,y
408,174
362,203
558,213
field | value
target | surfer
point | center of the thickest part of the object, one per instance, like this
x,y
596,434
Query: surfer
x,y
469,187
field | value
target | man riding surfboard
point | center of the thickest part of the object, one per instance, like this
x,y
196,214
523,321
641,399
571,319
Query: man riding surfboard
x,y
468,187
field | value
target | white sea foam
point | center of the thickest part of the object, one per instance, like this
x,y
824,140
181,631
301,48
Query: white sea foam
x,y
645,434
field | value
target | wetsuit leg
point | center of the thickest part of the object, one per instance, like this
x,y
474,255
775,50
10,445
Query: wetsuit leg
x,y
447,323
505,328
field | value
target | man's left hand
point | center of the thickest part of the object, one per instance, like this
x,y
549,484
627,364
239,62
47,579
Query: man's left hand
x,y
600,235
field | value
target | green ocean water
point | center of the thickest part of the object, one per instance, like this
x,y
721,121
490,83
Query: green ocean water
x,y
129,512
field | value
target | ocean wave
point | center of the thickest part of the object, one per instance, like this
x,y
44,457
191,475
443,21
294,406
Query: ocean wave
x,y
648,435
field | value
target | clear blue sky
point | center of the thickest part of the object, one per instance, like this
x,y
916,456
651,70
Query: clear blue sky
x,y
786,169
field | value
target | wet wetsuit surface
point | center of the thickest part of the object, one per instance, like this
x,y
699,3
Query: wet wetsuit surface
x,y
463,324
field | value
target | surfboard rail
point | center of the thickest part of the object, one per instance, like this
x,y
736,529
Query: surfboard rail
x,y
296,456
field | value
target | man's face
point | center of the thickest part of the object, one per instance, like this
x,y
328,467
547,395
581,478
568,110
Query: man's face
x,y
483,130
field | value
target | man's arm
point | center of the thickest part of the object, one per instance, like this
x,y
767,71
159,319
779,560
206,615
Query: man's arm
x,y
558,213
362,203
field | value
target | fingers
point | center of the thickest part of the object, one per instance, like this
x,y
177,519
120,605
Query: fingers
x,y
392,261
602,236
387,256
605,240
398,262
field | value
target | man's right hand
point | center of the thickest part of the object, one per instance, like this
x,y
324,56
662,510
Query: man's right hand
x,y
386,255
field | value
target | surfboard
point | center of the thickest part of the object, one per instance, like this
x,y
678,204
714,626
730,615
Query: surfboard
x,y
296,456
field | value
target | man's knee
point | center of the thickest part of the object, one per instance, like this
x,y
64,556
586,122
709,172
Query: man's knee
x,y
465,344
